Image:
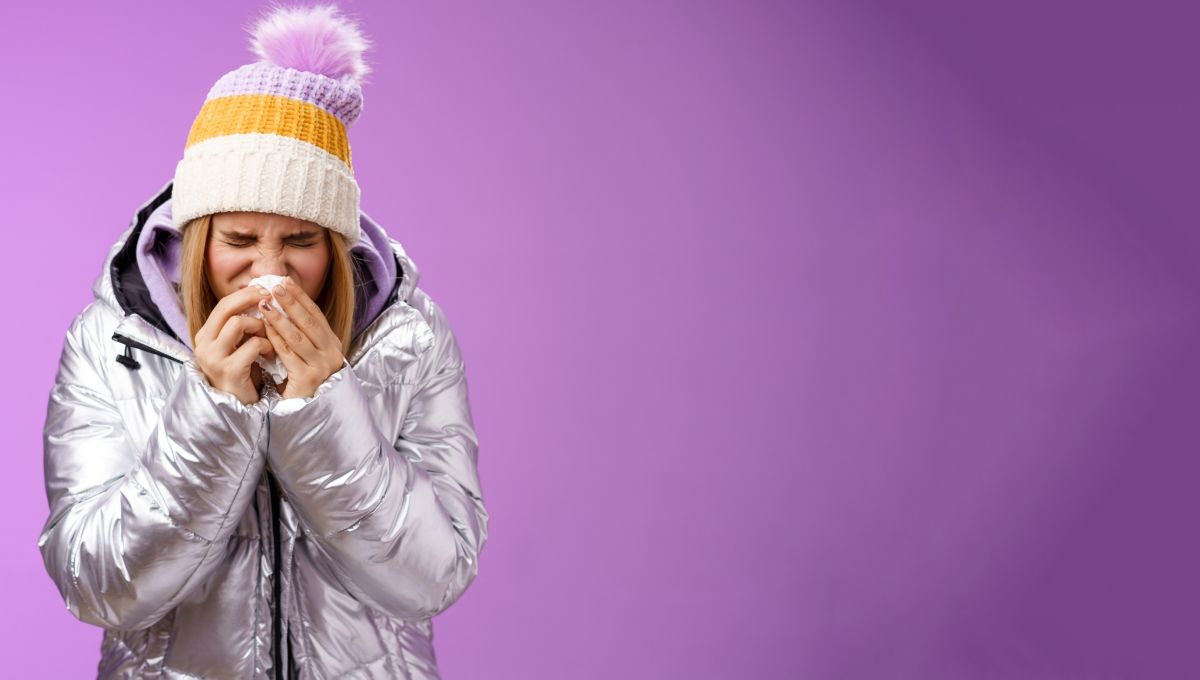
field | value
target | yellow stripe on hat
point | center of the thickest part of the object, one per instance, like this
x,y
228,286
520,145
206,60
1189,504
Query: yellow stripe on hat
x,y
271,114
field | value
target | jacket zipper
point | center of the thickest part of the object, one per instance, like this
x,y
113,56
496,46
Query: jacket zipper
x,y
277,576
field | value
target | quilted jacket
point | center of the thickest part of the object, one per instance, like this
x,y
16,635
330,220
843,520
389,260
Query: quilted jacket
x,y
289,538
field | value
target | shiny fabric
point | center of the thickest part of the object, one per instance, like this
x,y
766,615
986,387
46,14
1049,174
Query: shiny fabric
x,y
162,524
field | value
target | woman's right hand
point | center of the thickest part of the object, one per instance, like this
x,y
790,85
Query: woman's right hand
x,y
218,354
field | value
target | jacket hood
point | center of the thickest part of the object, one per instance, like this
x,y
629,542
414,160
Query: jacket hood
x,y
141,273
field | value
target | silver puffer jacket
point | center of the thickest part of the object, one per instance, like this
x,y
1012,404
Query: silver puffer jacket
x,y
290,538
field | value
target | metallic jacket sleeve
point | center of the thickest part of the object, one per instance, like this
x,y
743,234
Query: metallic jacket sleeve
x,y
131,531
402,522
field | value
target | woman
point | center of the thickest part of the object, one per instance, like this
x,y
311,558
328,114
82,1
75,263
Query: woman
x,y
217,524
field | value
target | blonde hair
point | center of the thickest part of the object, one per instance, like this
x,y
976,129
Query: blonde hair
x,y
336,299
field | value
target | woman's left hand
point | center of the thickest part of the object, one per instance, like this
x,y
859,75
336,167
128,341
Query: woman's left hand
x,y
303,340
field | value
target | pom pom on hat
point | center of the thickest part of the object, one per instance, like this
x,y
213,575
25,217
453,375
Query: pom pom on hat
x,y
316,39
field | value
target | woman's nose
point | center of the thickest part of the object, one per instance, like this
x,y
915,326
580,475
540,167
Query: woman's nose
x,y
269,265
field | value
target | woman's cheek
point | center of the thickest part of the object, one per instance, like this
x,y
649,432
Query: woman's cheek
x,y
224,266
312,272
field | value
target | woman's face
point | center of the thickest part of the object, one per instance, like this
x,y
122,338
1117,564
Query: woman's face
x,y
245,245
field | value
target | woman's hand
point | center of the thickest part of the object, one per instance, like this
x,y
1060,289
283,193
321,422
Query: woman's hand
x,y
220,353
303,340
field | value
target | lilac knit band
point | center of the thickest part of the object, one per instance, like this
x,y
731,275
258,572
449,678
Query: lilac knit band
x,y
265,78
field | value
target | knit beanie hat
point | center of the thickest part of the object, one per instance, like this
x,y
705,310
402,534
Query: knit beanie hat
x,y
271,136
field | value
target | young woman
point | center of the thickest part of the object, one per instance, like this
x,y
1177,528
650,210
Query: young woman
x,y
218,524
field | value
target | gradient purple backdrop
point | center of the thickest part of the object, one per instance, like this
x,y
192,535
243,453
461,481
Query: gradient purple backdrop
x,y
812,340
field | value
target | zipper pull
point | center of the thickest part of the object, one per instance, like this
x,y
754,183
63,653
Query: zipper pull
x,y
127,359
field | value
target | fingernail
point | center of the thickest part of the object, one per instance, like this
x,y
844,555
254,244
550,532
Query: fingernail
x,y
280,291
265,306
262,291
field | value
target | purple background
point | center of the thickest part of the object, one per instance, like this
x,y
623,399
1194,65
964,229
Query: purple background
x,y
822,340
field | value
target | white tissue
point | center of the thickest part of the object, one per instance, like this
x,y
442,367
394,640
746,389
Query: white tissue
x,y
269,281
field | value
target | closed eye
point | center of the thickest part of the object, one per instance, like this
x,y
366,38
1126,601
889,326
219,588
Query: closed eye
x,y
297,244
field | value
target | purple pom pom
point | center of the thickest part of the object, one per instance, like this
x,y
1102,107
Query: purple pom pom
x,y
316,39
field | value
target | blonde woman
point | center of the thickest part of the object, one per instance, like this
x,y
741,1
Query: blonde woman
x,y
215,521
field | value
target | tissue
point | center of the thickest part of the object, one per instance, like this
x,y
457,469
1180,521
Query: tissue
x,y
274,366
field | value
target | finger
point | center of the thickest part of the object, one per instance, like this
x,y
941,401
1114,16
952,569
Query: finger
x,y
291,361
234,304
259,327
235,330
270,354
295,339
227,307
248,352
298,294
308,318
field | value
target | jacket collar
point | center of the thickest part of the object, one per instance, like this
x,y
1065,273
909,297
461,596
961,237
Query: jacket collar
x,y
120,285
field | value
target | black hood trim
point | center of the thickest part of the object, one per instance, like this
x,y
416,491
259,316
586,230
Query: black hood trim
x,y
128,285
